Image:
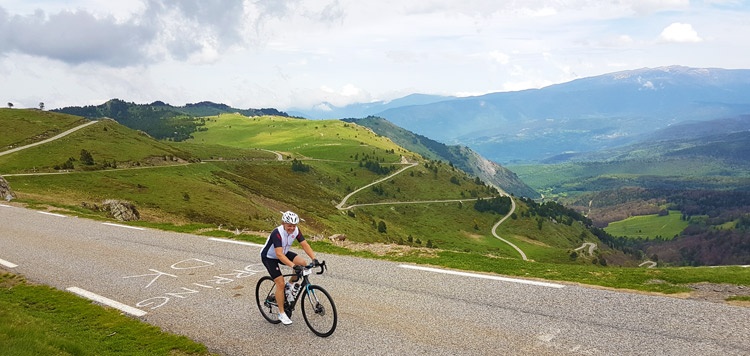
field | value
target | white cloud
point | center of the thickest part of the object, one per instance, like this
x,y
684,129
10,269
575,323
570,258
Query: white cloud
x,y
298,53
680,33
499,57
644,7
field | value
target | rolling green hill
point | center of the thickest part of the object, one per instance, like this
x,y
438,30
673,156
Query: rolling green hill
x,y
20,128
238,172
161,120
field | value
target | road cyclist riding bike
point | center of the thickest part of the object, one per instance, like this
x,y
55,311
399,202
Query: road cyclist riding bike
x,y
276,298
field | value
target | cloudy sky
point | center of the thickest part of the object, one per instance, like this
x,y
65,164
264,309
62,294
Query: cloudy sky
x,y
299,53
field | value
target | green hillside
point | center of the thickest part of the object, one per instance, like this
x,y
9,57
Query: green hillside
x,y
230,176
20,128
161,120
649,226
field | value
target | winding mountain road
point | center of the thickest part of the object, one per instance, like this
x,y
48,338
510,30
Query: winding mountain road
x,y
341,205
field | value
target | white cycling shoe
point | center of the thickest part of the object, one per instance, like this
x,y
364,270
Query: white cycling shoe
x,y
284,319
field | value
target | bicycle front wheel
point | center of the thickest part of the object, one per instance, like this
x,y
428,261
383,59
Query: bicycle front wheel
x,y
264,296
319,311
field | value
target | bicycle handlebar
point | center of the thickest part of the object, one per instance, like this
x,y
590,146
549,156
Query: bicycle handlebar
x,y
312,265
322,266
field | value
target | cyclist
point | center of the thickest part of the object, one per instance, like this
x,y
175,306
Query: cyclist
x,y
276,251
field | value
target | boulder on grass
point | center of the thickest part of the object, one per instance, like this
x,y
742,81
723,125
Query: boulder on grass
x,y
5,192
121,210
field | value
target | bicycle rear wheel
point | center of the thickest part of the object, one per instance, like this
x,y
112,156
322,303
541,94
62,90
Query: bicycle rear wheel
x,y
319,311
267,306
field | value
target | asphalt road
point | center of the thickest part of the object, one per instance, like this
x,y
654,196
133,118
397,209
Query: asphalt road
x,y
203,288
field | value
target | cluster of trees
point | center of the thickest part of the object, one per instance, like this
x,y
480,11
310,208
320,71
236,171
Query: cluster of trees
x,y
702,245
555,211
298,166
85,157
375,167
500,205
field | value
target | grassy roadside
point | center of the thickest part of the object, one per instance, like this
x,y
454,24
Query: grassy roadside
x,y
665,280
39,320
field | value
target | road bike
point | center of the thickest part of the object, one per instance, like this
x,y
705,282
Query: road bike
x,y
317,306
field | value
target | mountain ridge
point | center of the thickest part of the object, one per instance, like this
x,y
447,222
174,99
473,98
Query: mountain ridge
x,y
462,157
585,114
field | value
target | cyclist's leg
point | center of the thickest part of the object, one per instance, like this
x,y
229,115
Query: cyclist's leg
x,y
272,266
280,284
298,261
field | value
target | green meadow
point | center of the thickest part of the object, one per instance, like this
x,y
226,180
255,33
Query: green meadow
x,y
20,128
649,226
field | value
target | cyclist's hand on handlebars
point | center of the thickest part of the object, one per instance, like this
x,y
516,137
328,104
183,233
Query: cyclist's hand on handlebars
x,y
298,269
316,262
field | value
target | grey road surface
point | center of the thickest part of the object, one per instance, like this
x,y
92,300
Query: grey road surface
x,y
203,288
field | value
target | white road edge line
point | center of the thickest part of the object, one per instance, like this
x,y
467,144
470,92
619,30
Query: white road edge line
x,y
5,206
475,275
125,226
235,242
106,301
53,214
7,264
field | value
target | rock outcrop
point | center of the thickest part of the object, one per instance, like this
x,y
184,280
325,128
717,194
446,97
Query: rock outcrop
x,y
5,192
118,209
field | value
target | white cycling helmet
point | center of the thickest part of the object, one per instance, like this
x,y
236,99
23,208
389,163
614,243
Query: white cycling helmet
x,y
290,218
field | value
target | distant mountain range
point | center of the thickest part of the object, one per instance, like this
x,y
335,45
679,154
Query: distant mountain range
x,y
726,139
360,110
584,115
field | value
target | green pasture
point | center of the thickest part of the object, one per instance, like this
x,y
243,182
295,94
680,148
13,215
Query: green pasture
x,y
320,139
177,194
106,140
240,184
24,126
649,226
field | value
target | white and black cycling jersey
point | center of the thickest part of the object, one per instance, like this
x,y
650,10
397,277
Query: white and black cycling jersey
x,y
280,238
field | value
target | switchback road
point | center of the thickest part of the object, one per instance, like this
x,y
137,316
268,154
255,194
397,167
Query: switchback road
x,y
203,288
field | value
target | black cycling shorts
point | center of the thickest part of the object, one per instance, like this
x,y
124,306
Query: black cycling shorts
x,y
272,264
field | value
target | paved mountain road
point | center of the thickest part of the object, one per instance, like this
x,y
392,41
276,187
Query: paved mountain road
x,y
204,288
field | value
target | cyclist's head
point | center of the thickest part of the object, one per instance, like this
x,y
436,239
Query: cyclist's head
x,y
290,218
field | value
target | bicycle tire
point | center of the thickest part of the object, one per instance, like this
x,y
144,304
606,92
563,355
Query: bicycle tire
x,y
319,311
269,310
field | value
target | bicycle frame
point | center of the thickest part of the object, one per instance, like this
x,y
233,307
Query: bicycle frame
x,y
318,308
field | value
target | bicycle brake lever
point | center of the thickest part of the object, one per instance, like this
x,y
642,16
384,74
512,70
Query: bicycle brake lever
x,y
323,267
